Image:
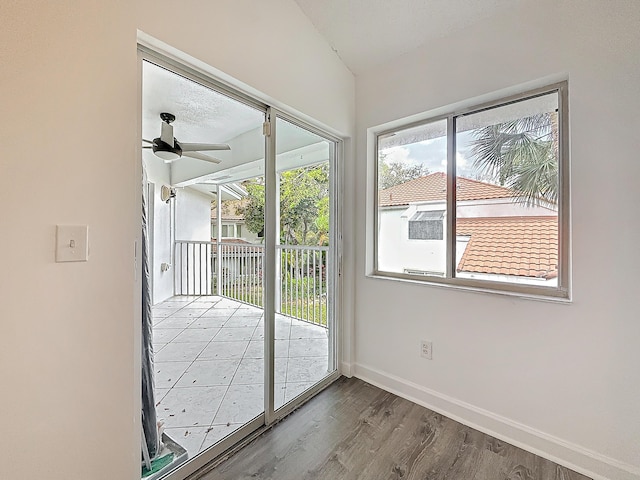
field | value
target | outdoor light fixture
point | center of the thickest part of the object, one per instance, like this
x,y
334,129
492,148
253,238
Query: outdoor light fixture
x,y
167,193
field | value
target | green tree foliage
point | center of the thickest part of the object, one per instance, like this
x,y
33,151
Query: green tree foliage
x,y
304,206
395,173
521,154
253,210
322,222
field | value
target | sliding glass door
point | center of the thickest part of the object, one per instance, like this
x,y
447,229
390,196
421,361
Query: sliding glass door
x,y
245,268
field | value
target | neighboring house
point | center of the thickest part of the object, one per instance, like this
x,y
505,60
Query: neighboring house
x,y
240,259
233,223
497,237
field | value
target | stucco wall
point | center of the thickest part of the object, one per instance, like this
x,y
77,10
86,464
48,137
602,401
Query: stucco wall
x,y
193,214
561,379
158,173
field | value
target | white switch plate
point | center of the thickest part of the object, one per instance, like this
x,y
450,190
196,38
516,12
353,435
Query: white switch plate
x,y
72,243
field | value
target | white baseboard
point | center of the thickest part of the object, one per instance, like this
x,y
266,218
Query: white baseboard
x,y
568,454
346,369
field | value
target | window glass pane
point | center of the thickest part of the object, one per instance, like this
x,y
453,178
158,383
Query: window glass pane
x,y
412,196
225,229
507,193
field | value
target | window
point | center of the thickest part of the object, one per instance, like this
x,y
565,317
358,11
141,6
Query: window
x,y
478,198
230,230
426,225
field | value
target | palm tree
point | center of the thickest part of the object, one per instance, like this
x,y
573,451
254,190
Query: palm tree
x,y
522,155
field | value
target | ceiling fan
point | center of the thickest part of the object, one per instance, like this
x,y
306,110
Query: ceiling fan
x,y
167,147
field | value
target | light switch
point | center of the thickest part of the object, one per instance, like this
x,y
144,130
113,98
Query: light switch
x,y
72,243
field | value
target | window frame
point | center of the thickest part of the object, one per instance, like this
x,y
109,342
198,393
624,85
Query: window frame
x,y
563,289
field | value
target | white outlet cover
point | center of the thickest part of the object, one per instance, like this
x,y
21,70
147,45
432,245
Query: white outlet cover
x,y
426,349
72,243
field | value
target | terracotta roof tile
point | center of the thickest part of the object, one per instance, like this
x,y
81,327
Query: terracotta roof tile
x,y
522,246
433,187
237,246
237,241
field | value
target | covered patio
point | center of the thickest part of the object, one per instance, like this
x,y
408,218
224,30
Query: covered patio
x,y
209,365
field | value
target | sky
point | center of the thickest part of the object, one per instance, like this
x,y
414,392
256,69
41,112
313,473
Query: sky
x,y
433,154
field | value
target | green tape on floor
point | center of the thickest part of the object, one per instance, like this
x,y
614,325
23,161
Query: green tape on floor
x,y
157,464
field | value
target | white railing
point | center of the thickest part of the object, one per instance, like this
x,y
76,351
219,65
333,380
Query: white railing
x,y
241,275
301,291
193,268
303,283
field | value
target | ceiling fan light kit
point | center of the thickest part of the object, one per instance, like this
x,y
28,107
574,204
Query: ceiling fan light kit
x,y
166,152
167,147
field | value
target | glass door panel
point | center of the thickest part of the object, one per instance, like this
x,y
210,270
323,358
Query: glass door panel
x,y
207,323
304,331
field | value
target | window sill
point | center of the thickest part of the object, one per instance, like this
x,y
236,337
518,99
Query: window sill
x,y
543,294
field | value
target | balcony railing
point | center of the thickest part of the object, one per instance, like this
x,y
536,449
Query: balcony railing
x,y
301,290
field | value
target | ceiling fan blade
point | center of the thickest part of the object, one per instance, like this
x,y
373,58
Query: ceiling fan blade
x,y
201,156
147,141
166,135
203,147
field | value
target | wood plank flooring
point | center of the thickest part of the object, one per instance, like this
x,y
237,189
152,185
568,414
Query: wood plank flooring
x,y
355,431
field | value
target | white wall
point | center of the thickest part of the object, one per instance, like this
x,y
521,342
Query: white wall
x,y
398,252
158,173
559,379
248,235
500,208
193,215
193,223
69,349
70,381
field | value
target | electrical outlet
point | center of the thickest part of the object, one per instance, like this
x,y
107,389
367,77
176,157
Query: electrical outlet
x,y
426,349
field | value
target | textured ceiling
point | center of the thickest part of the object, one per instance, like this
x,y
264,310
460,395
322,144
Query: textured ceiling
x,y
366,33
202,114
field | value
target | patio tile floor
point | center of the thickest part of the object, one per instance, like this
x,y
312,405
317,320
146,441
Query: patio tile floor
x,y
209,356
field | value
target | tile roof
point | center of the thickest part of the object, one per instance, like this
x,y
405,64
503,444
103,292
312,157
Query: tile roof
x,y
237,247
522,246
238,241
433,187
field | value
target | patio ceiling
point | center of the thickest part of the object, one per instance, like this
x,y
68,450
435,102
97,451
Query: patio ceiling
x,y
206,116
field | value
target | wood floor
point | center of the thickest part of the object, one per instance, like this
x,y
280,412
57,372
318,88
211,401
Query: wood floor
x,y
354,430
